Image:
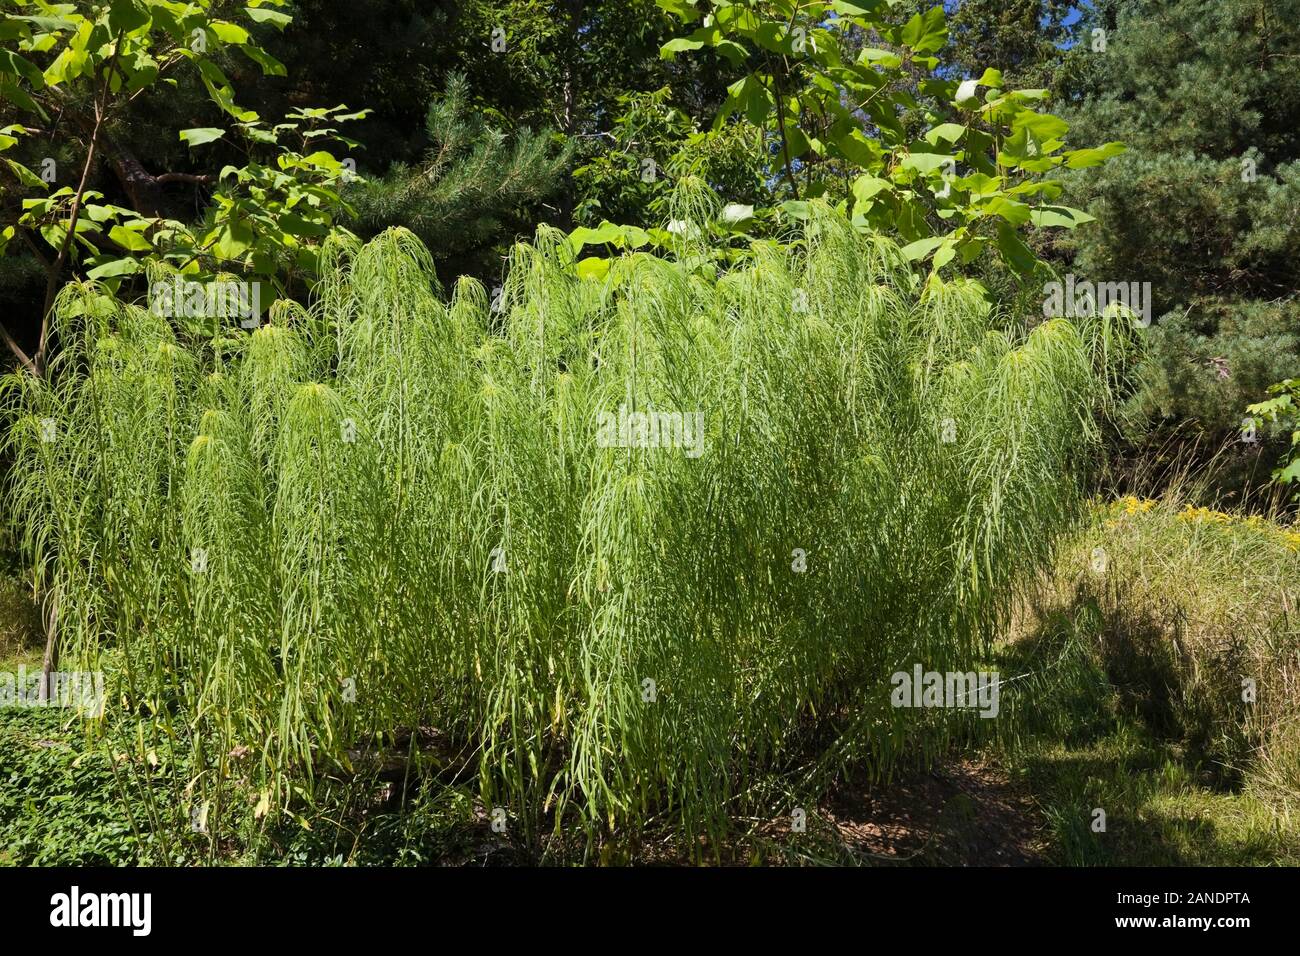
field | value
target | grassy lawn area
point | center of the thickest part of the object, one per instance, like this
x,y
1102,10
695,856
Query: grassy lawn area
x,y
1159,810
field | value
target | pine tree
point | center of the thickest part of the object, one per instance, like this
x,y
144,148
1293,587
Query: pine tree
x,y
1022,38
1205,205
473,184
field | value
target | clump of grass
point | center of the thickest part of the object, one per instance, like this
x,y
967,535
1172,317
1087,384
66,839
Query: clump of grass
x,y
1204,600
391,510
1174,706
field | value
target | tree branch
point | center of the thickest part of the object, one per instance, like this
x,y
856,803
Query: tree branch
x,y
52,283
199,179
16,349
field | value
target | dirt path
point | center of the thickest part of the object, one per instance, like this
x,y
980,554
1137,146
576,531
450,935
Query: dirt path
x,y
961,813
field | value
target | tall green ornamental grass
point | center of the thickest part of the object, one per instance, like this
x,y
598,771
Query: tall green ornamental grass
x,y
403,509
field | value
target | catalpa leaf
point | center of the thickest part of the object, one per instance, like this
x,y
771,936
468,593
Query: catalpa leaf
x,y
1012,211
923,247
734,214
927,162
948,132
594,268
1083,158
1014,252
201,134
114,267
127,16
229,32
1059,216
866,186
273,17
129,240
926,33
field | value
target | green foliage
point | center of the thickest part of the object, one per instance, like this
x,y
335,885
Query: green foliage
x,y
1021,38
89,62
391,56
266,219
843,116
1212,359
20,624
473,183
652,146
59,801
1284,408
391,510
1204,204
562,63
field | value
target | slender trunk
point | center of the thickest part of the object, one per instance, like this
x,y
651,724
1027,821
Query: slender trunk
x,y
23,358
567,199
74,214
569,118
785,143
52,282
51,646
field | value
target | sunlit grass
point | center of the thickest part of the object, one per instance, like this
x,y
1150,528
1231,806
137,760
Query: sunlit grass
x,y
391,511
1176,708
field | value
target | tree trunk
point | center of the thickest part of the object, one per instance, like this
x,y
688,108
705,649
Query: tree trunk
x,y
51,646
142,188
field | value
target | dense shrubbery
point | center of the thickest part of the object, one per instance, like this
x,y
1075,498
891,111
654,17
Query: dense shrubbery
x,y
393,511
636,540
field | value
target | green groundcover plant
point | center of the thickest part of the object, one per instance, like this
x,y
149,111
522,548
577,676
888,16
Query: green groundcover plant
x,y
633,544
